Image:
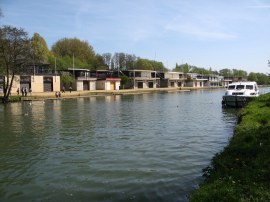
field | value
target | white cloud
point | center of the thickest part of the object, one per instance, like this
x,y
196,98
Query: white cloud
x,y
201,27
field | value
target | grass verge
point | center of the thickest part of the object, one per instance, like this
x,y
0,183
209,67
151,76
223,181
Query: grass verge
x,y
241,172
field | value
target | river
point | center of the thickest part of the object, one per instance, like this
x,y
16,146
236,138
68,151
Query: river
x,y
143,147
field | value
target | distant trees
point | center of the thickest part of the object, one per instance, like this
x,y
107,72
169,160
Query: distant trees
x,y
181,68
107,58
74,50
260,78
252,77
14,52
124,61
226,73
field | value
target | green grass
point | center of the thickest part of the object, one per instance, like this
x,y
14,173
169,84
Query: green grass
x,y
12,98
241,172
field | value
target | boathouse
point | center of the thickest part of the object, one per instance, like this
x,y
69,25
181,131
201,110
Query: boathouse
x,y
195,80
107,80
171,79
84,80
38,77
141,79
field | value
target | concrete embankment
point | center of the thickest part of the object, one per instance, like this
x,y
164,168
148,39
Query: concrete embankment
x,y
241,172
74,94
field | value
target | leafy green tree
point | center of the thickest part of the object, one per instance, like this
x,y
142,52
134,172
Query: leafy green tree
x,y
130,61
226,72
263,79
67,79
98,63
124,81
252,77
39,48
178,68
144,64
239,73
74,50
186,68
14,53
199,70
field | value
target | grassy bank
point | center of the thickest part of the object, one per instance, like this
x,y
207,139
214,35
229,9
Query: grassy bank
x,y
241,172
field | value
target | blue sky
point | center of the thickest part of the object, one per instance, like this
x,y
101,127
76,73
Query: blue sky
x,y
206,33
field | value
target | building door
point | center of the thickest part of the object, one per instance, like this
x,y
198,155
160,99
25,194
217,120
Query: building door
x,y
151,84
140,84
85,85
112,86
48,84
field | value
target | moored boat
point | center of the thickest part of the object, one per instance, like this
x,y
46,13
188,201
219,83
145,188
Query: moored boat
x,y
238,94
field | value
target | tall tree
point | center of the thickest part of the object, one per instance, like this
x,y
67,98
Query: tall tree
x,y
39,49
119,60
130,61
107,59
186,68
99,63
144,64
65,49
14,52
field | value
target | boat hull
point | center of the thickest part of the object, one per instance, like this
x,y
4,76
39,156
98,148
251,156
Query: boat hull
x,y
235,101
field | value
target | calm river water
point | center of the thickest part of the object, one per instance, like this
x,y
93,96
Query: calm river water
x,y
145,147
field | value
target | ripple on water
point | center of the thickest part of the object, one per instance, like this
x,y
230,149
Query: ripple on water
x,y
149,147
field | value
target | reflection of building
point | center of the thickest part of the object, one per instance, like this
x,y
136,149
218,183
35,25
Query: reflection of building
x,y
141,78
172,79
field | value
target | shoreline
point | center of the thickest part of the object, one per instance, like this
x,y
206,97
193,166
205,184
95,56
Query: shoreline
x,y
241,171
79,94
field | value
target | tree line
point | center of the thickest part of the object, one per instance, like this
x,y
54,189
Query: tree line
x,y
260,78
17,50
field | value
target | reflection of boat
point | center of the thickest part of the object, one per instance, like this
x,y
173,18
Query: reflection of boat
x,y
238,94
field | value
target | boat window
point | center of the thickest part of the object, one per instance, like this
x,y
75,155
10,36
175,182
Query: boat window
x,y
231,87
250,87
240,87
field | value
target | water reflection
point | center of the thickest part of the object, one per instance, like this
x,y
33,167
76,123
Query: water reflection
x,y
145,147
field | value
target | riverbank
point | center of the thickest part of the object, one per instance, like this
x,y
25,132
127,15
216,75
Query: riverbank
x,y
74,94
241,172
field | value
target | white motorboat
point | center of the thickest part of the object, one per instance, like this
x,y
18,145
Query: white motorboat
x,y
238,94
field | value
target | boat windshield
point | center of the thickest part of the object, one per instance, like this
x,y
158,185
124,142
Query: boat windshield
x,y
250,87
231,87
240,87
